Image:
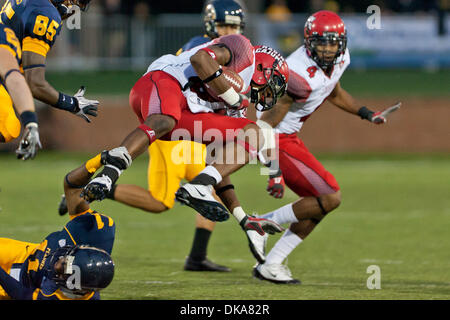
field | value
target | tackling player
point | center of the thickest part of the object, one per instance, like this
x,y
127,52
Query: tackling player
x,y
168,98
49,270
37,24
315,71
14,91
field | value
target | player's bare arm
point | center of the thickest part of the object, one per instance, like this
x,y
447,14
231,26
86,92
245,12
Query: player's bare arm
x,y
34,68
15,82
74,181
278,112
344,100
23,101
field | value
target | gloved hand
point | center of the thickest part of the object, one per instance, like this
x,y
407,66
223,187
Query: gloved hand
x,y
85,106
276,185
378,117
30,142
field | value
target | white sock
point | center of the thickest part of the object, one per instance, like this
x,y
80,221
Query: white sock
x,y
211,171
284,246
281,215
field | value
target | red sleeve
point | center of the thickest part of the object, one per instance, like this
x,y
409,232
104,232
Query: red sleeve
x,y
241,49
298,88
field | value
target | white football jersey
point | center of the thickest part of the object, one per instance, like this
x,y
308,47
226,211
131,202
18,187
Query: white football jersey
x,y
309,86
242,62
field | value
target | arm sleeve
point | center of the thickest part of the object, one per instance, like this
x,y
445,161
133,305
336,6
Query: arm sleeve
x,y
14,288
298,88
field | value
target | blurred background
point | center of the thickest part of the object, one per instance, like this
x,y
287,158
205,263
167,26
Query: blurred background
x,y
406,57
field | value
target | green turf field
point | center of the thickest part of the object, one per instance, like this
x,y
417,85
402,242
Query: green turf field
x,y
370,83
395,215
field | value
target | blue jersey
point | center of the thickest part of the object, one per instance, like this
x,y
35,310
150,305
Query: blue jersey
x,y
9,41
195,41
36,23
89,228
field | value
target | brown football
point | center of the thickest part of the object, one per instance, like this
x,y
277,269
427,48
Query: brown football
x,y
233,79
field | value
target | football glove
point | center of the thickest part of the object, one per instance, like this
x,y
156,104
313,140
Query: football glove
x,y
276,185
30,142
118,157
260,225
378,117
97,189
85,107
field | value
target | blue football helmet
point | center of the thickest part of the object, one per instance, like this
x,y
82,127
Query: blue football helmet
x,y
84,269
64,8
225,12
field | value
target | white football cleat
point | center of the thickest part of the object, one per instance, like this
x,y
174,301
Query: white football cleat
x,y
257,244
200,198
276,273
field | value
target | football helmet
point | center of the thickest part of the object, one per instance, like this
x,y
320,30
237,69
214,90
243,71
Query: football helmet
x,y
270,79
95,269
228,12
63,6
323,28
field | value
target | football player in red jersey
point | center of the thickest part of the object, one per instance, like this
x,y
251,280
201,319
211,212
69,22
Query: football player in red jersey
x,y
315,70
165,100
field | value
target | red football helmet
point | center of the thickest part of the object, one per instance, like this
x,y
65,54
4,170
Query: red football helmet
x,y
324,28
269,81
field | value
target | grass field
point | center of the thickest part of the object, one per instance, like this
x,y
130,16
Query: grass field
x,y
395,215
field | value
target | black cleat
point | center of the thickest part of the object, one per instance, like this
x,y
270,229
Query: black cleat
x,y
199,197
204,265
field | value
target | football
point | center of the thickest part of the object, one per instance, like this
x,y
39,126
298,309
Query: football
x,y
233,79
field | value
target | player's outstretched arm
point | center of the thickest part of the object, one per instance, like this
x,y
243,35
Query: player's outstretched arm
x,y
34,68
23,102
344,100
74,182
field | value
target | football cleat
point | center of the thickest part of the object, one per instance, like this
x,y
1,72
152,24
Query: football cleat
x,y
275,273
204,265
62,207
199,198
260,225
257,245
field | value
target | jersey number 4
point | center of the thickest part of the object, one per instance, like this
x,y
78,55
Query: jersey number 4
x,y
42,27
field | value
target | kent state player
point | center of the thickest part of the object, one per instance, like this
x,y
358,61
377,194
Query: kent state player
x,y
315,71
166,98
37,24
15,91
39,271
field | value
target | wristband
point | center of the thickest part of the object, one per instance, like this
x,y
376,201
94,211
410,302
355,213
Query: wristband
x,y
27,117
151,135
231,97
66,102
213,76
94,164
223,189
210,52
239,214
365,113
